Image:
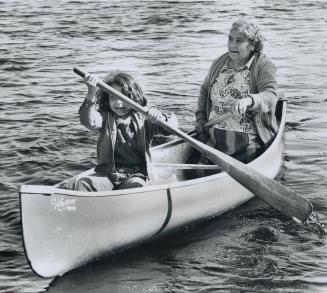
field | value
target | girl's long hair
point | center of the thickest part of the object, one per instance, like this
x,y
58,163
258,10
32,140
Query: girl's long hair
x,y
130,88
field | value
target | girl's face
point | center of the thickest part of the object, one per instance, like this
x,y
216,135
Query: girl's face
x,y
239,47
116,105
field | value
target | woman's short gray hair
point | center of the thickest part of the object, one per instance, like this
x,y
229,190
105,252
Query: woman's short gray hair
x,y
252,32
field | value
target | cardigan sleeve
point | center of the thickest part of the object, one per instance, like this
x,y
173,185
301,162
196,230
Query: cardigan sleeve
x,y
201,112
265,96
89,116
155,129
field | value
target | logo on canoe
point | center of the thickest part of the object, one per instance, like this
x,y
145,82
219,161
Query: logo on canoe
x,y
63,204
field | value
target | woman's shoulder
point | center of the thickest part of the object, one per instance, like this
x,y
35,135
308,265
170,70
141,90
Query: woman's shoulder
x,y
262,58
220,58
217,64
263,61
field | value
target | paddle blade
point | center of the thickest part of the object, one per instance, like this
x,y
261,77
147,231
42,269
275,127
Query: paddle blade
x,y
283,199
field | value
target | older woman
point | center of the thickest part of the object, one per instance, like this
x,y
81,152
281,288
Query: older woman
x,y
241,81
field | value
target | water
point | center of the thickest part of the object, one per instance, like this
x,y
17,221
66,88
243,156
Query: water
x,y
168,46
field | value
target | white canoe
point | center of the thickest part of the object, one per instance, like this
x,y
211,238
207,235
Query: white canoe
x,y
64,229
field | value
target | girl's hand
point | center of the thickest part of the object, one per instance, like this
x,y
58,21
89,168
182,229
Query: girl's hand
x,y
91,83
242,105
154,115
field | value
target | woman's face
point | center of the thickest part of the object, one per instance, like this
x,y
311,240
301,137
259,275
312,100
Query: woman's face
x,y
116,105
239,47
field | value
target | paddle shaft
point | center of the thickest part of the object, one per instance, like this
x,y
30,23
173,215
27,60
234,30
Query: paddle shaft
x,y
272,192
214,121
219,119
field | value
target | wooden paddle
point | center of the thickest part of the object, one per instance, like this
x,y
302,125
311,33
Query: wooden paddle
x,y
272,192
214,121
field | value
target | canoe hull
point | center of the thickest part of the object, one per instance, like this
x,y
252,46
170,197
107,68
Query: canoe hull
x,y
70,230
64,229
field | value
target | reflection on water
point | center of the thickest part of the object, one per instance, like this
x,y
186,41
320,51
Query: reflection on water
x,y
168,46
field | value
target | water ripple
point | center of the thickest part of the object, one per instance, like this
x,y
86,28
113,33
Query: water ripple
x,y
168,46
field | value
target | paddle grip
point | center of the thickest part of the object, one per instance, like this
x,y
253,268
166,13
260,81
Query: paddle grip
x,y
105,87
79,71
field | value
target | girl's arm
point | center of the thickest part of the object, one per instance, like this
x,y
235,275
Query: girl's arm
x,y
155,115
89,116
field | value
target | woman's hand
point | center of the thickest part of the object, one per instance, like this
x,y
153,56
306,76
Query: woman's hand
x,y
242,105
199,127
91,83
154,115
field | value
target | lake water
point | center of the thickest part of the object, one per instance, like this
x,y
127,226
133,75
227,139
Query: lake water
x,y
168,47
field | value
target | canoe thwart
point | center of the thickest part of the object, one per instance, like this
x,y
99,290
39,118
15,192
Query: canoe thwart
x,y
185,166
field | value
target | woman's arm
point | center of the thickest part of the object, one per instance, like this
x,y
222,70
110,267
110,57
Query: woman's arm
x,y
266,98
201,112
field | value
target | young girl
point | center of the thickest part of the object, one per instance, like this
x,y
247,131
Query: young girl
x,y
125,135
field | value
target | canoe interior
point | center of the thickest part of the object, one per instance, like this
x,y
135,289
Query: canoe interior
x,y
177,151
